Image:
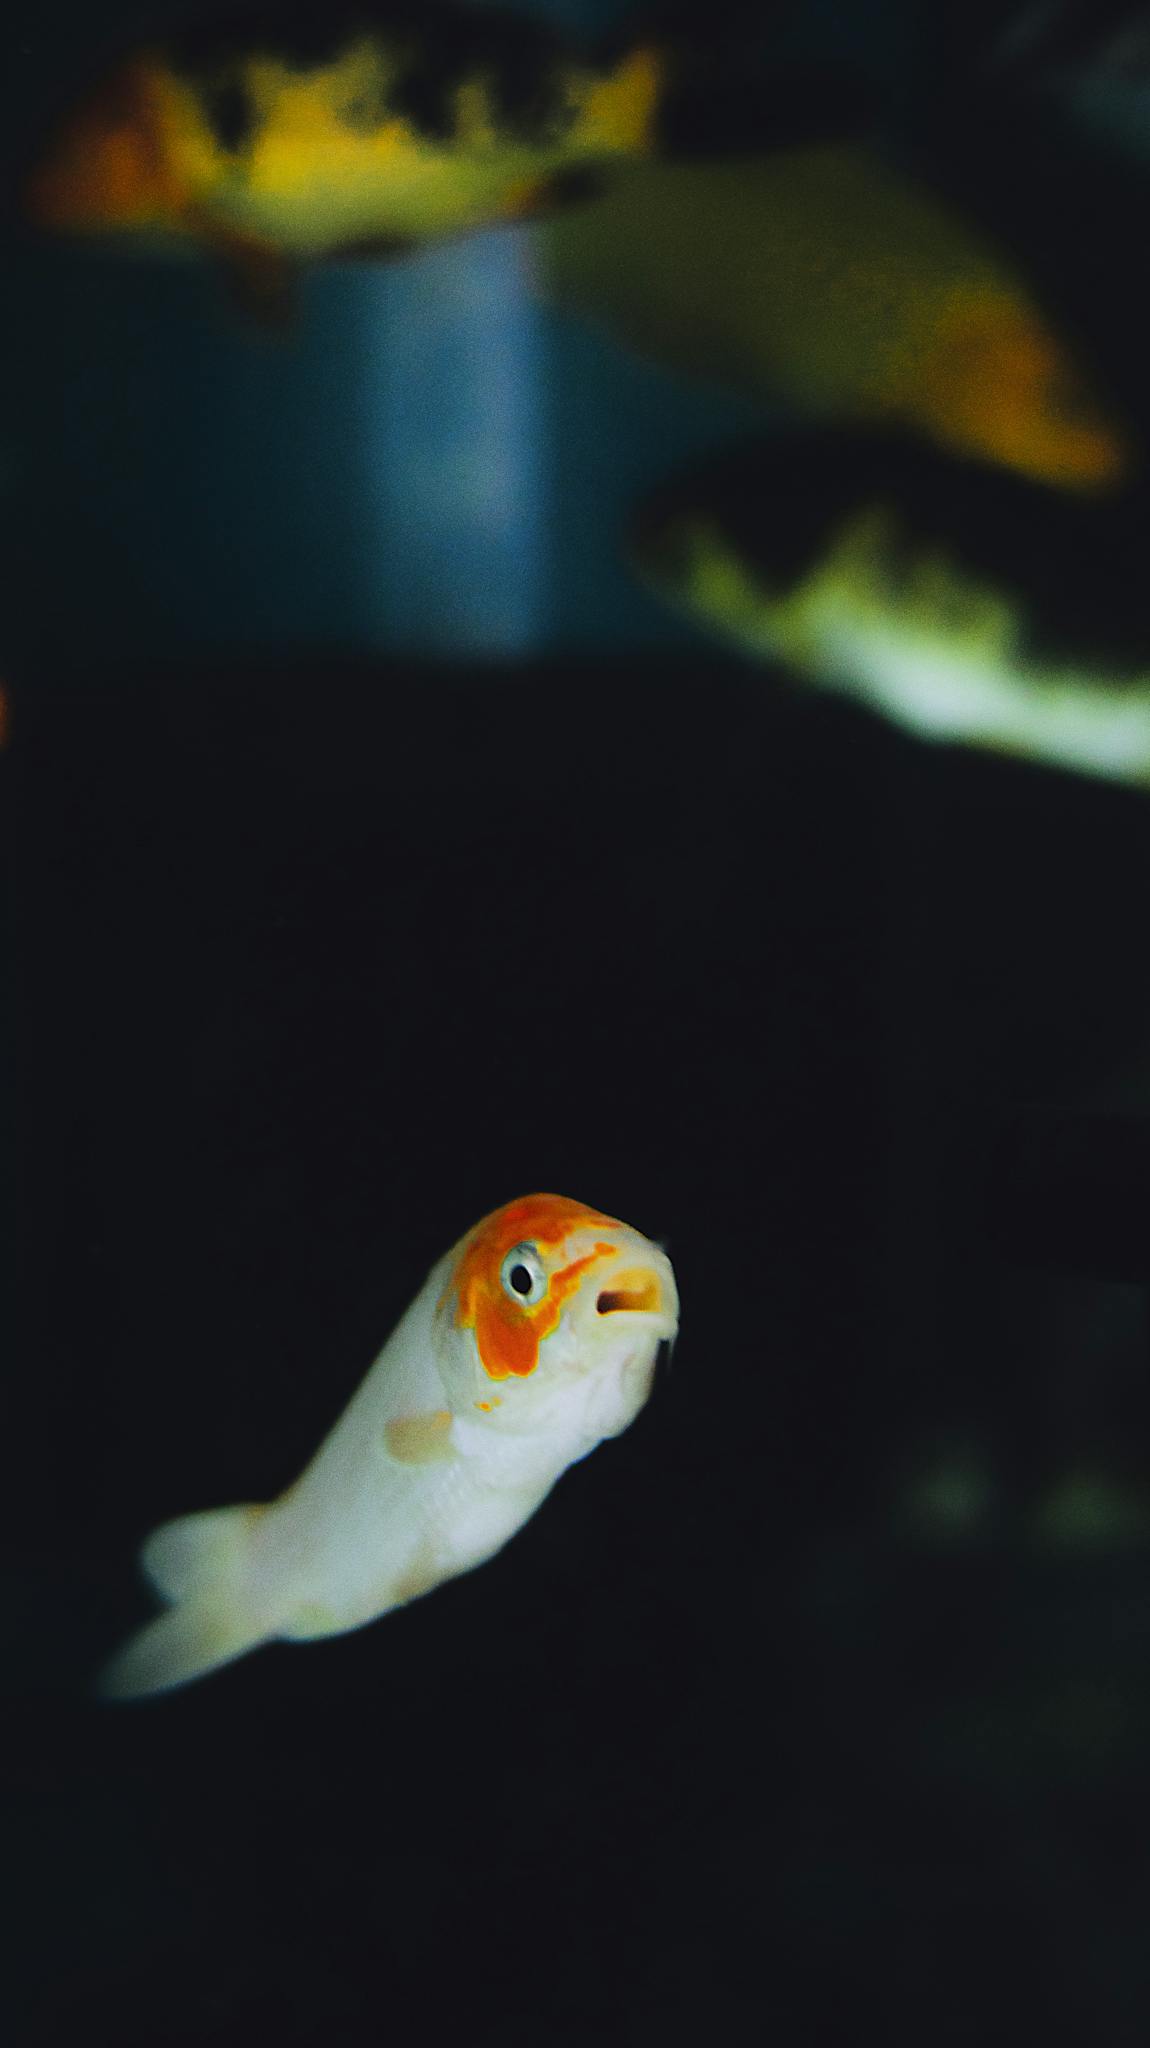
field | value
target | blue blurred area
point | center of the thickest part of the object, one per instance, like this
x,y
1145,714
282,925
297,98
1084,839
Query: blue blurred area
x,y
430,461
502,447
453,470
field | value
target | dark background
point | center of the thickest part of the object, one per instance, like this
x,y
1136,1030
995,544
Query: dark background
x,y
817,1705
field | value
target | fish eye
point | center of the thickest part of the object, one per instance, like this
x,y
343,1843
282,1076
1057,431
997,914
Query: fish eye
x,y
522,1275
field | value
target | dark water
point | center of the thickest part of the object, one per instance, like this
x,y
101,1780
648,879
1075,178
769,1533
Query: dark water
x,y
815,1707
750,1726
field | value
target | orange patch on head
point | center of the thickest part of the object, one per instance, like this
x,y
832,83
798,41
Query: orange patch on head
x,y
508,1333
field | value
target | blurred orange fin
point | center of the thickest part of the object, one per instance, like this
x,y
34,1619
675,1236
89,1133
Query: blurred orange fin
x,y
261,282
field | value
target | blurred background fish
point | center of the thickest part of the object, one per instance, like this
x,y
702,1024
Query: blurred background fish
x,y
827,278
274,135
1037,41
963,604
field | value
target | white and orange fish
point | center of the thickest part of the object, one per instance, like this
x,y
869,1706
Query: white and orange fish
x,y
531,1341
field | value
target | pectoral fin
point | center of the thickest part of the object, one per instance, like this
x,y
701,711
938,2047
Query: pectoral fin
x,y
264,288
261,282
421,1439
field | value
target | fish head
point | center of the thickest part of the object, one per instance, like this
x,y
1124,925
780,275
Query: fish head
x,y
109,169
552,1316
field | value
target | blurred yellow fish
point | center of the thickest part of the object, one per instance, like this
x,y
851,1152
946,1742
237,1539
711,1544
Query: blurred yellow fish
x,y
275,136
959,602
823,277
531,1341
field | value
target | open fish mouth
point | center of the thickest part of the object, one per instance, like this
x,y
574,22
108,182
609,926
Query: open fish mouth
x,y
638,1291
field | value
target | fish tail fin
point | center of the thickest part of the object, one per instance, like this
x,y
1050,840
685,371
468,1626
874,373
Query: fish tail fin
x,y
187,1642
197,1563
197,1551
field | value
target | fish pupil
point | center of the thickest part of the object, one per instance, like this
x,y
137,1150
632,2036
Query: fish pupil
x,y
520,1279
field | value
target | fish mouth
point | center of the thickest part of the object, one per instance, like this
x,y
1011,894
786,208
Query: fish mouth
x,y
638,1291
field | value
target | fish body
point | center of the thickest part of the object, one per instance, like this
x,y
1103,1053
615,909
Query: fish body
x,y
531,1341
960,603
367,129
826,277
